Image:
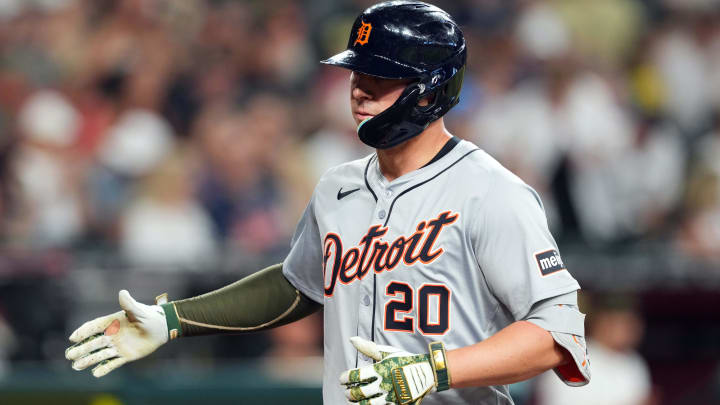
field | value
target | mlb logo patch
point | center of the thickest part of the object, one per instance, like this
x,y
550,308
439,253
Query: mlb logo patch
x,y
549,262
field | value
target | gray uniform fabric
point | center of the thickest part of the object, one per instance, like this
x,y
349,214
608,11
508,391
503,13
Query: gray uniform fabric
x,y
559,314
454,251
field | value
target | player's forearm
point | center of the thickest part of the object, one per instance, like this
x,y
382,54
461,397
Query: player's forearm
x,y
261,301
520,351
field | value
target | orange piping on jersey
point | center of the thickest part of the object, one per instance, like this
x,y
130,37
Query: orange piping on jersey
x,y
570,371
581,346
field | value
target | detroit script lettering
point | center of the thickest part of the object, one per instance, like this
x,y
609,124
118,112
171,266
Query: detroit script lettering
x,y
372,253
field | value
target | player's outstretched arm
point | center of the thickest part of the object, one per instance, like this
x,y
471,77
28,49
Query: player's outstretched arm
x,y
261,301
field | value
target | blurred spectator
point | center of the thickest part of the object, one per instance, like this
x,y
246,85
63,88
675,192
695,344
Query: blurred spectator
x,y
541,32
619,375
297,351
278,124
285,56
132,148
163,227
651,176
603,32
47,172
683,68
137,143
239,187
568,118
700,231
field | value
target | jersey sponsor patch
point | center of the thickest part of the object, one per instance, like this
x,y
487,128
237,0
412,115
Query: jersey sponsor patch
x,y
549,262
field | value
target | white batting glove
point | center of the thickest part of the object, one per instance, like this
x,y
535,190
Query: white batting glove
x,y
118,338
398,377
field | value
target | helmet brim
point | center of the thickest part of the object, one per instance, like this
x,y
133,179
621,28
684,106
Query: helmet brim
x,y
373,65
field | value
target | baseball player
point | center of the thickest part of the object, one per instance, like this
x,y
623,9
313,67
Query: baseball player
x,y
438,277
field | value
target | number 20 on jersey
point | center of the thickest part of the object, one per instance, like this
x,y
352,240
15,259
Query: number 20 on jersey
x,y
431,303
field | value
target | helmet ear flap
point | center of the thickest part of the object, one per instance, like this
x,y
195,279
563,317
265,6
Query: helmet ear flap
x,y
445,96
427,96
396,124
406,118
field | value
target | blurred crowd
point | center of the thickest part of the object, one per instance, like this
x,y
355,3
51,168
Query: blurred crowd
x,y
610,110
171,135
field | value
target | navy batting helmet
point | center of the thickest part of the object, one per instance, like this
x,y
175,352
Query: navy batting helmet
x,y
406,40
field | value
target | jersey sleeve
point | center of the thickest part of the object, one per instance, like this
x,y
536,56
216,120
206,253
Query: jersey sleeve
x,y
303,265
515,250
561,317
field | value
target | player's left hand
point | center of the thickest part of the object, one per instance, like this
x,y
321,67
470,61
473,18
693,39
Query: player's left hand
x,y
398,377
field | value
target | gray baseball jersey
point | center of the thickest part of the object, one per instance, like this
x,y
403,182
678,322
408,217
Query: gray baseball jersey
x,y
454,251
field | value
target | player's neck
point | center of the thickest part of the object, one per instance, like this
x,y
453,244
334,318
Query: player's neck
x,y
414,153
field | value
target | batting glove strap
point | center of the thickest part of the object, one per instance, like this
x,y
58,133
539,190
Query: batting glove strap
x,y
438,359
173,320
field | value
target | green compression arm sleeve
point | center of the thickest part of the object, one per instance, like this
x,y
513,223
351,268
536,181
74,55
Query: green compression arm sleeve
x,y
261,301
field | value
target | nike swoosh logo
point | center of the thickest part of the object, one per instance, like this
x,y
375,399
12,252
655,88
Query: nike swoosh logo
x,y
342,195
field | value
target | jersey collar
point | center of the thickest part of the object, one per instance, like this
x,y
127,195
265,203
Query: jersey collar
x,y
377,181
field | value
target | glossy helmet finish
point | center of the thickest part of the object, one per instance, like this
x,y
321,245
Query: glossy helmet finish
x,y
406,40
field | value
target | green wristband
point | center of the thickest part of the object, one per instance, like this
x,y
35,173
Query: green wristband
x,y
173,322
438,359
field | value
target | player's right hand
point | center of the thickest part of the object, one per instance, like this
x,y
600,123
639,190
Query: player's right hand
x,y
396,377
113,340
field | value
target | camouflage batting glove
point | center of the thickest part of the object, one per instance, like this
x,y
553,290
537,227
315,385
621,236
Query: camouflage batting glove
x,y
398,377
113,340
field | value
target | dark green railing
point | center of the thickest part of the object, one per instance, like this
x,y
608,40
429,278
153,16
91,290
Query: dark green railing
x,y
238,384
